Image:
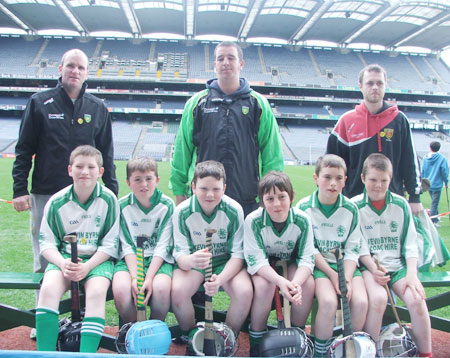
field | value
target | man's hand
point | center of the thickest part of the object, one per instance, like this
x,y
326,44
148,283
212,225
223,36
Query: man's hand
x,y
416,208
22,203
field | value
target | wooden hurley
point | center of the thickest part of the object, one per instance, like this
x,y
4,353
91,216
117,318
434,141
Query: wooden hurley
x,y
141,309
209,344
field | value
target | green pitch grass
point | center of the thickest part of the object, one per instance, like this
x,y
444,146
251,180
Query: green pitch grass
x,y
16,253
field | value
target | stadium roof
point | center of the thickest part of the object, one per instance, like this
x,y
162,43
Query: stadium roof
x,y
390,24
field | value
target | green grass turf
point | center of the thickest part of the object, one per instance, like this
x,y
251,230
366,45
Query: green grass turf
x,y
16,253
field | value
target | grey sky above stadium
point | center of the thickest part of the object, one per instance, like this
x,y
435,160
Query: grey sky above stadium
x,y
385,25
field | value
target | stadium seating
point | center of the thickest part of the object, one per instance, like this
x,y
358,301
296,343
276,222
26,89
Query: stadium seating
x,y
125,136
9,132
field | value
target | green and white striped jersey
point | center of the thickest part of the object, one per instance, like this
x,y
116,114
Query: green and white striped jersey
x,y
155,222
388,233
338,228
190,225
262,240
95,222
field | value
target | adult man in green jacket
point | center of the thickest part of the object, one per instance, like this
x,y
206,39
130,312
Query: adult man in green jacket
x,y
230,123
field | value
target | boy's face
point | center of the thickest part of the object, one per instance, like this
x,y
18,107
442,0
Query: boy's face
x,y
330,182
376,183
143,185
277,203
209,192
85,172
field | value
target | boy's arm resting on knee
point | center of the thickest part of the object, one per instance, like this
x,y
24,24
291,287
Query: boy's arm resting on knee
x,y
198,260
147,286
286,286
55,257
95,260
301,275
379,274
231,269
411,279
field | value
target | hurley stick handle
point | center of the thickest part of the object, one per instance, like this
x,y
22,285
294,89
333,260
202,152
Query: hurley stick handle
x,y
209,345
141,309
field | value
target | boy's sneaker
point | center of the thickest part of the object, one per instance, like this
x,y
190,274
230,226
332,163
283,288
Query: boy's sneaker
x,y
33,333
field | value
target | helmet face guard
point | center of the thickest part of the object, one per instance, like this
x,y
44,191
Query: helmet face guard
x,y
363,343
286,342
224,338
396,341
69,336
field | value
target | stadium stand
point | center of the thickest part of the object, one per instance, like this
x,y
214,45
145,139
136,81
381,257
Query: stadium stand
x,y
302,71
125,136
9,132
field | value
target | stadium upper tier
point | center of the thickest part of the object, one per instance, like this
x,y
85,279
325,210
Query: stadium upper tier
x,y
266,64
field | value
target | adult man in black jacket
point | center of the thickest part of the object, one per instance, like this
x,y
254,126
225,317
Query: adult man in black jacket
x,y
54,123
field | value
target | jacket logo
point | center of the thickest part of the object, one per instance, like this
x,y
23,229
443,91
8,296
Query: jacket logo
x,y
56,116
80,120
211,110
50,100
245,110
87,118
388,133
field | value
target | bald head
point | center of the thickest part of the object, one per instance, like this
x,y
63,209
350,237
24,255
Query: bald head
x,y
74,72
74,51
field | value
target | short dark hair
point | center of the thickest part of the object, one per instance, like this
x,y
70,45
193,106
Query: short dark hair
x,y
275,179
209,168
143,164
86,151
435,146
379,162
330,161
230,44
372,68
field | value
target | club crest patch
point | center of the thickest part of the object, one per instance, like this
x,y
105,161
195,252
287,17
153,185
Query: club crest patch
x,y
80,120
87,118
245,110
388,133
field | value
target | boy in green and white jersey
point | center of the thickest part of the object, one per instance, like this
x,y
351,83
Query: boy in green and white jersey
x,y
145,211
92,212
335,221
278,231
207,209
389,232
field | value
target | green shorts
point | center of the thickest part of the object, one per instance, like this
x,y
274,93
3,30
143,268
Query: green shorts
x,y
105,269
397,275
320,274
165,268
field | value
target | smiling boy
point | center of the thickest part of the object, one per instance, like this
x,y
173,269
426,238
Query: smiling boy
x,y
209,208
145,211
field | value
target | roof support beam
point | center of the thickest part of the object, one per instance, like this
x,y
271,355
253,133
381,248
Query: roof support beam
x,y
314,15
20,22
252,11
128,8
378,16
444,16
67,9
190,19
